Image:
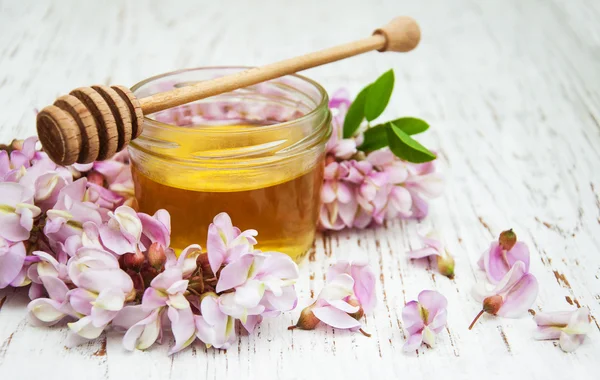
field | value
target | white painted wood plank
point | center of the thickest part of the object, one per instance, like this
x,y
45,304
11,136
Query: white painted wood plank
x,y
512,90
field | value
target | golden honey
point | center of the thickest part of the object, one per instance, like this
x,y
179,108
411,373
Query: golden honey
x,y
255,153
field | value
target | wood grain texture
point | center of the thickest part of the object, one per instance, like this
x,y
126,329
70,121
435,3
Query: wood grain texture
x,y
512,91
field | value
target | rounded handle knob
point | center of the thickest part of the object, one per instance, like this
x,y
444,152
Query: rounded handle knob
x,y
402,34
89,124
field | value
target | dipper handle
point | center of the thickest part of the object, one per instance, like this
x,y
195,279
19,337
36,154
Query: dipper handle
x,y
93,123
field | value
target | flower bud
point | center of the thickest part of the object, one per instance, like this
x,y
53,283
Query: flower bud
x,y
202,263
507,240
492,304
445,265
95,177
156,256
133,261
17,144
307,320
360,313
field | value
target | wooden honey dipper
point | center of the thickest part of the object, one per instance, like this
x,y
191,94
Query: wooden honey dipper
x,y
93,123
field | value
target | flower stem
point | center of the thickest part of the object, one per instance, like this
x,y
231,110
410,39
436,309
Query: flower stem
x,y
365,333
476,318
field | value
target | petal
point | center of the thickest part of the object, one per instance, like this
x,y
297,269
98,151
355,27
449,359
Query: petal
x,y
154,229
152,331
339,287
81,300
553,318
46,310
286,301
251,323
278,265
364,287
579,322
413,342
546,333
520,297
439,321
10,227
433,302
154,299
110,299
428,337
250,294
166,279
411,315
510,279
421,253
519,252
235,273
129,316
569,343
96,280
85,328
178,287
327,192
344,306
495,263
101,317
11,263
178,301
335,318
183,328
56,288
114,240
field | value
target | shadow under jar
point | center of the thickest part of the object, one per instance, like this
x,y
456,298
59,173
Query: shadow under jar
x,y
256,153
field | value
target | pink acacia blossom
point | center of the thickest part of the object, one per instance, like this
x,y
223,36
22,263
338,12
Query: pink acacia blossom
x,y
569,327
213,327
143,326
349,291
17,211
434,247
511,297
363,287
12,258
123,231
424,319
227,243
70,212
263,284
167,291
500,257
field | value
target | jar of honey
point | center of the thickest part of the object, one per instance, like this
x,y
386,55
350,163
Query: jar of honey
x,y
256,153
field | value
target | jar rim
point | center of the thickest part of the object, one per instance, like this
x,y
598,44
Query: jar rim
x,y
324,101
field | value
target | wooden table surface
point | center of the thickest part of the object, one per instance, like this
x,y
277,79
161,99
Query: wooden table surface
x,y
512,91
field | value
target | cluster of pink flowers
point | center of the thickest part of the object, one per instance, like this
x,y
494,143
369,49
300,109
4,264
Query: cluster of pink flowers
x,y
363,189
95,262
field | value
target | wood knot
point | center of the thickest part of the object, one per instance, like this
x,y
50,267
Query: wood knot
x,y
89,124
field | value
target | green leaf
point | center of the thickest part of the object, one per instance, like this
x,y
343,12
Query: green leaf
x,y
379,95
410,125
406,148
356,113
375,138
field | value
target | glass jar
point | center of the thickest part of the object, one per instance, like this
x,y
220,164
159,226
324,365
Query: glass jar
x,y
256,153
